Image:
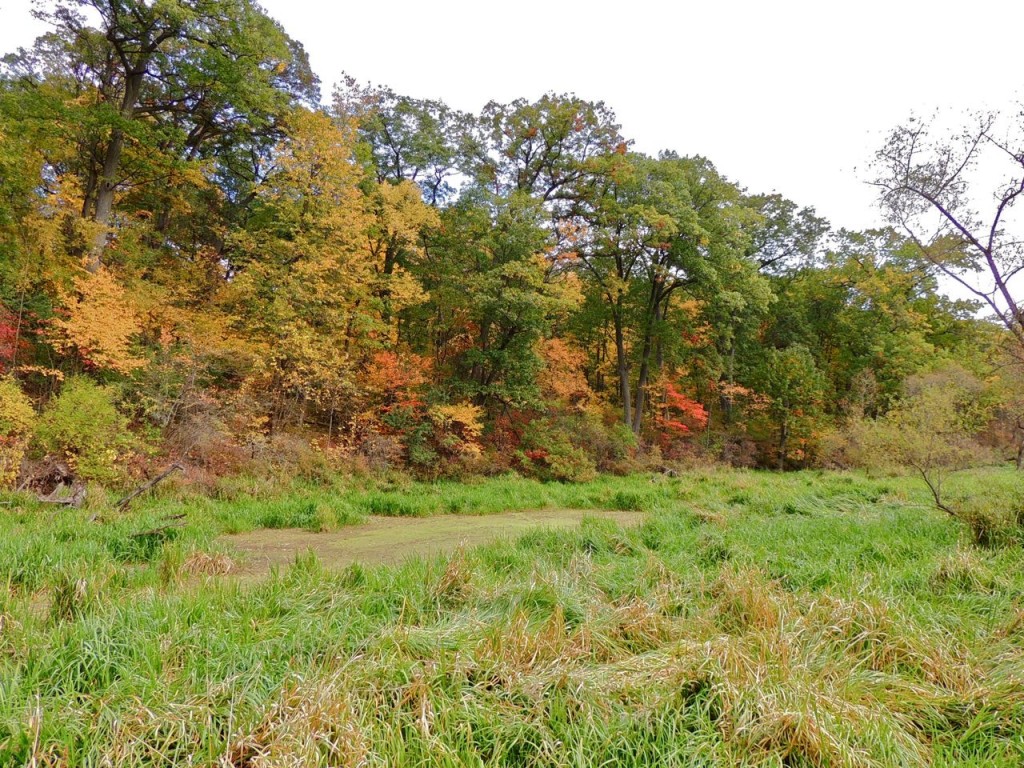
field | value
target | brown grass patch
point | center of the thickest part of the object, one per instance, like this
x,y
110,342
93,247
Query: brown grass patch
x,y
208,564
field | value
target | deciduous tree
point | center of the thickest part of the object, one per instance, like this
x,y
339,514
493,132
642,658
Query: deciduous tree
x,y
929,186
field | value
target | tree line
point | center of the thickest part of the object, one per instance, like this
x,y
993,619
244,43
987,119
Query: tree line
x,y
199,260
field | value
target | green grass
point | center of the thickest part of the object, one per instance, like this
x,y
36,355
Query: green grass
x,y
754,619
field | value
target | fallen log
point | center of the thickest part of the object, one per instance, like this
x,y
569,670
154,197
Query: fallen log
x,y
122,505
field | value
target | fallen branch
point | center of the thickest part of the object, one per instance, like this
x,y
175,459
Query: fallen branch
x,y
68,496
122,505
179,523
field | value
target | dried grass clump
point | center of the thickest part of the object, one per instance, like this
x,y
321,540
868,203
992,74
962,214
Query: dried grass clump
x,y
455,584
815,679
963,570
148,734
638,626
208,564
516,648
744,599
314,721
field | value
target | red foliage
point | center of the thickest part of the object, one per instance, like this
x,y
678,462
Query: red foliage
x,y
680,417
8,338
689,414
506,435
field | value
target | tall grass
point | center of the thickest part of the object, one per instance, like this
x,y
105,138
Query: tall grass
x,y
761,620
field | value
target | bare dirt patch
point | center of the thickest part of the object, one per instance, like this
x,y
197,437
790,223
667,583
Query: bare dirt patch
x,y
393,539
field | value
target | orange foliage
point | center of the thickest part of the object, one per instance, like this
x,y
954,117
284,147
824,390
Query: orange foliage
x,y
562,379
746,398
395,379
99,322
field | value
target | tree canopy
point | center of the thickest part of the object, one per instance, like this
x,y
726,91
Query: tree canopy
x,y
195,247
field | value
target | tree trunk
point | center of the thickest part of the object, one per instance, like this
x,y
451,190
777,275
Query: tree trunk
x,y
641,395
725,401
105,197
622,364
107,183
783,439
654,316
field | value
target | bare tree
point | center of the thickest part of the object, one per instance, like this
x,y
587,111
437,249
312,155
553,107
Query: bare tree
x,y
930,186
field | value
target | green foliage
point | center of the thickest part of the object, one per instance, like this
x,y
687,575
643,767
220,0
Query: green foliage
x,y
932,432
869,312
931,429
611,447
796,389
548,453
83,426
490,286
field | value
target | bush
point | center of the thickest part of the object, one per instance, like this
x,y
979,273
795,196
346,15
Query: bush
x,y
82,426
931,432
16,419
548,454
610,445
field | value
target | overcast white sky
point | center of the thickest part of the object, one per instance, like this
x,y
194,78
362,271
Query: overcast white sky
x,y
783,95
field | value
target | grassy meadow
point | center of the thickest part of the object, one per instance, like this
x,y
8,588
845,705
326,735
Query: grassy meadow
x,y
754,619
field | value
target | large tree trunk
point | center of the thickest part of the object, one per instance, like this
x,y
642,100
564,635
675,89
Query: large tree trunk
x,y
641,396
108,180
654,317
622,364
105,197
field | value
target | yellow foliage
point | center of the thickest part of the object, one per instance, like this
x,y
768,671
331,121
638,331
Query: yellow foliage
x,y
100,322
321,284
400,215
38,239
314,187
41,370
461,421
17,417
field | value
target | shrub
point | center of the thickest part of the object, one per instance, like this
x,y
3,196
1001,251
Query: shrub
x,y
83,426
931,432
548,454
441,441
456,429
381,452
16,419
610,444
